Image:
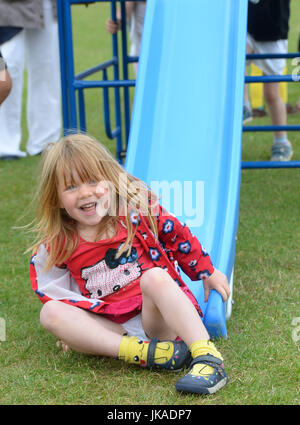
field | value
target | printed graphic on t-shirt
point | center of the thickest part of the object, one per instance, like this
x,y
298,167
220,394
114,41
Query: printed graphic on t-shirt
x,y
111,274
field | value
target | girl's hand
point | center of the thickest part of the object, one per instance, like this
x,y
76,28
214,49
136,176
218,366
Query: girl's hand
x,y
219,282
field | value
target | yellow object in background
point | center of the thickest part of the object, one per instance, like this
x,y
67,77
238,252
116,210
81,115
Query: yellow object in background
x,y
256,89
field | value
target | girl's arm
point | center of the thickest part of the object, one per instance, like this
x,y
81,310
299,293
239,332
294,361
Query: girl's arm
x,y
180,243
192,258
57,284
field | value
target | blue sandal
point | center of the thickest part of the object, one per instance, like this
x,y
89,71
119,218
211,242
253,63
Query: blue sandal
x,y
206,376
180,359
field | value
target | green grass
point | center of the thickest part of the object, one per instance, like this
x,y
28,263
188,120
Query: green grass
x,y
262,359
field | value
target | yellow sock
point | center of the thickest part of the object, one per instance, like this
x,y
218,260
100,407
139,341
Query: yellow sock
x,y
202,348
134,351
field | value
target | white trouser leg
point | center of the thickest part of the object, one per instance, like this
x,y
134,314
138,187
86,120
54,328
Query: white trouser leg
x,y
44,86
13,52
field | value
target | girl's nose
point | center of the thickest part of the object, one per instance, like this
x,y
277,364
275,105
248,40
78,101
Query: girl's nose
x,y
85,191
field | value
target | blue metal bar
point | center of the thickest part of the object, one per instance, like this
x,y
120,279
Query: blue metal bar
x,y
95,69
125,73
270,164
271,128
72,83
78,84
63,73
110,134
81,107
118,118
273,79
132,59
69,63
273,55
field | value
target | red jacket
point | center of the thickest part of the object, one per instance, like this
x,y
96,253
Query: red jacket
x,y
175,246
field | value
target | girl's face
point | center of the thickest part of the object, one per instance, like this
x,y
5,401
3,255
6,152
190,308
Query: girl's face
x,y
85,202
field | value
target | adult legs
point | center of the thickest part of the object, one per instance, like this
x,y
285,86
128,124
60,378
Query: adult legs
x,y
276,106
13,52
44,92
281,148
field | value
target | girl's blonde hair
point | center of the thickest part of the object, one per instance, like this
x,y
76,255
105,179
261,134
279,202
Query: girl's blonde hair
x,y
92,162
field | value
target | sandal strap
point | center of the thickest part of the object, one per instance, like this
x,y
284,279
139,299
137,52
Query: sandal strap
x,y
181,356
151,352
209,360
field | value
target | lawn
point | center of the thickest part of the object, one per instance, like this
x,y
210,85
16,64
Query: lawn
x,y
262,351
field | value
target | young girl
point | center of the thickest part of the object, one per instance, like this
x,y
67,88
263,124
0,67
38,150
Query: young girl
x,y
105,267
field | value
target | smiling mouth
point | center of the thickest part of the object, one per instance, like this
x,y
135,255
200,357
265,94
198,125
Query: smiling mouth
x,y
88,207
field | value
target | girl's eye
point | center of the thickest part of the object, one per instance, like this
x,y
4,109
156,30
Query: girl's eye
x,y
70,187
92,182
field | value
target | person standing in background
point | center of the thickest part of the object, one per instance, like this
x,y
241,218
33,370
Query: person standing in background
x,y
135,14
37,45
268,27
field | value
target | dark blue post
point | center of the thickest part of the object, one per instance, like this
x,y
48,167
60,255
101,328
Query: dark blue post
x,y
125,74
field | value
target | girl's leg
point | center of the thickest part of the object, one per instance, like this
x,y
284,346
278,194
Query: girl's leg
x,y
92,334
81,330
167,312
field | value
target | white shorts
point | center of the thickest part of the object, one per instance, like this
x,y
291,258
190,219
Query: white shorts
x,y
134,327
268,66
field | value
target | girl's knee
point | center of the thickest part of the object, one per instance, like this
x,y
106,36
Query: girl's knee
x,y
152,278
49,314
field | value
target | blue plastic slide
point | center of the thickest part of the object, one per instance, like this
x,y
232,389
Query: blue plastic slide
x,y
186,131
